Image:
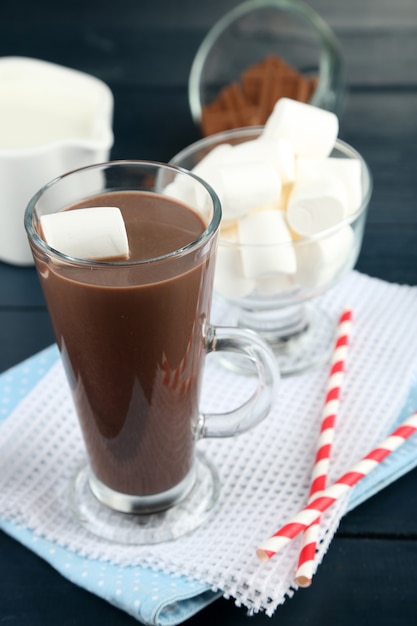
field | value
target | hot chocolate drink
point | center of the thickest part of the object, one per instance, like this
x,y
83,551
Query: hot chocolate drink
x,y
131,339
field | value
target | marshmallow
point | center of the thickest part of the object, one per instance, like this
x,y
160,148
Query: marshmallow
x,y
266,244
319,261
188,191
212,160
311,130
89,233
316,206
228,232
229,279
284,197
278,152
210,165
284,158
208,170
243,187
348,171
242,182
181,189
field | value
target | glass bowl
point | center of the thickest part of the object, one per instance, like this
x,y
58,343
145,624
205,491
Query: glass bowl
x,y
283,306
252,32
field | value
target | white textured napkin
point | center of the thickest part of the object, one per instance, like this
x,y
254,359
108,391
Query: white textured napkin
x,y
265,474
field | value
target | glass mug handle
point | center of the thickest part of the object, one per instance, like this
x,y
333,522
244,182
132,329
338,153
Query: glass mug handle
x,y
244,343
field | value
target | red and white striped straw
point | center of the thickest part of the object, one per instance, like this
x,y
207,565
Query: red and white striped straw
x,y
304,573
337,490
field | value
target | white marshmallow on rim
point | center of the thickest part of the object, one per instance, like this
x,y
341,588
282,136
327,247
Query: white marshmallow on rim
x,y
91,233
278,152
316,206
348,171
319,261
311,130
266,244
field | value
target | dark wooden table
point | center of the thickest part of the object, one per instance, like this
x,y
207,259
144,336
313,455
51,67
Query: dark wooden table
x,y
143,50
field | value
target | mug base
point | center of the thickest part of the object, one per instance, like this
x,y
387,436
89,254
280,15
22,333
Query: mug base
x,y
125,503
136,528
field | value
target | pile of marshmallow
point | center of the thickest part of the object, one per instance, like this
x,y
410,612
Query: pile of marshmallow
x,y
280,193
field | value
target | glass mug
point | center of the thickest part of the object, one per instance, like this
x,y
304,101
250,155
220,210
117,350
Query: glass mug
x,y
133,335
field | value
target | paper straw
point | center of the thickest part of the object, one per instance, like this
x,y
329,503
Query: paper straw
x,y
304,573
337,490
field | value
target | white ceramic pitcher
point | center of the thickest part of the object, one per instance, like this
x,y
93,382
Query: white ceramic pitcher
x,y
53,119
